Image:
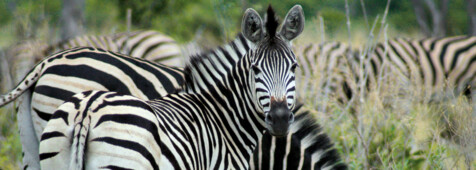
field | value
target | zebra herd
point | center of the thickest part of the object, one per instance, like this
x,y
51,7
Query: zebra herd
x,y
96,107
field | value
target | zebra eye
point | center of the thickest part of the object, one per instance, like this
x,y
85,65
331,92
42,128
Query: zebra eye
x,y
294,66
256,70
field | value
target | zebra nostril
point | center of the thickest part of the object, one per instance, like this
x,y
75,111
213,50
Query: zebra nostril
x,y
291,118
269,119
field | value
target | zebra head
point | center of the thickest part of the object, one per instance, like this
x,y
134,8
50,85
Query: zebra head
x,y
273,64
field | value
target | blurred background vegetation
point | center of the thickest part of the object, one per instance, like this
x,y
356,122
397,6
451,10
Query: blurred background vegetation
x,y
406,137
184,20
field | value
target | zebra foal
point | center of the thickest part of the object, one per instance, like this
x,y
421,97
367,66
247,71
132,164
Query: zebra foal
x,y
213,124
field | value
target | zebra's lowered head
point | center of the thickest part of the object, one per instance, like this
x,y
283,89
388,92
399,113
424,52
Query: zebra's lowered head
x,y
273,65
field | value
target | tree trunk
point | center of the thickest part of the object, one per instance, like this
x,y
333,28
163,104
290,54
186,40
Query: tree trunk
x,y
438,17
72,18
445,5
6,78
470,7
420,16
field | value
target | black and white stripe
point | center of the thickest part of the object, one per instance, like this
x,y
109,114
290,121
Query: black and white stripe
x,y
150,45
214,123
305,147
433,65
323,70
61,75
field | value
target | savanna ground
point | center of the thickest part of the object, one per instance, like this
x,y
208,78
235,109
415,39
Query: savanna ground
x,y
391,127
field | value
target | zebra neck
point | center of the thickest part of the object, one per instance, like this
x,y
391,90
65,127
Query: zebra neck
x,y
241,82
223,119
214,65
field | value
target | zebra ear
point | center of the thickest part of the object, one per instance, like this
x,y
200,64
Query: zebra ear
x,y
252,26
293,23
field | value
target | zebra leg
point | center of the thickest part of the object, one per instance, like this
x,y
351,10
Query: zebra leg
x,y
55,145
28,138
88,132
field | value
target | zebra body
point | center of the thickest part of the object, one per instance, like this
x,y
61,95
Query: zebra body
x,y
150,45
61,75
432,65
216,125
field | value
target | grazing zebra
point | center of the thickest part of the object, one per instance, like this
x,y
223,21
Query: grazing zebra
x,y
61,75
222,119
432,64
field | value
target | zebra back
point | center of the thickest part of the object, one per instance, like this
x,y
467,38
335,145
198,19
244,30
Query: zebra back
x,y
150,45
432,65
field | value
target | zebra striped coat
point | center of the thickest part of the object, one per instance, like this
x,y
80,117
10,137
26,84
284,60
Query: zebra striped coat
x,y
165,107
150,45
231,53
61,75
325,63
432,65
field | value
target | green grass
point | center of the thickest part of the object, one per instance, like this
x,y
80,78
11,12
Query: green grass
x,y
10,146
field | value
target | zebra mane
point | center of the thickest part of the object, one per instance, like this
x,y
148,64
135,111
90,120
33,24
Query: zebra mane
x,y
271,23
210,67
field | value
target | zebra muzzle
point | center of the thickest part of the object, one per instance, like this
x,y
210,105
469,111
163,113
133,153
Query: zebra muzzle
x,y
279,118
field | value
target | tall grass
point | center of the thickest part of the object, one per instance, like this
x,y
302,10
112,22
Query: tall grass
x,y
391,129
397,124
10,146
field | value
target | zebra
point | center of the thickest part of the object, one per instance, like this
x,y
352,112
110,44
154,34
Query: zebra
x,y
431,64
61,75
325,63
147,44
305,147
170,123
85,41
434,63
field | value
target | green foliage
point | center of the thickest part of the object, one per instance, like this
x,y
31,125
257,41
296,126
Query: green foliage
x,y
334,19
457,18
215,19
144,11
101,15
10,147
